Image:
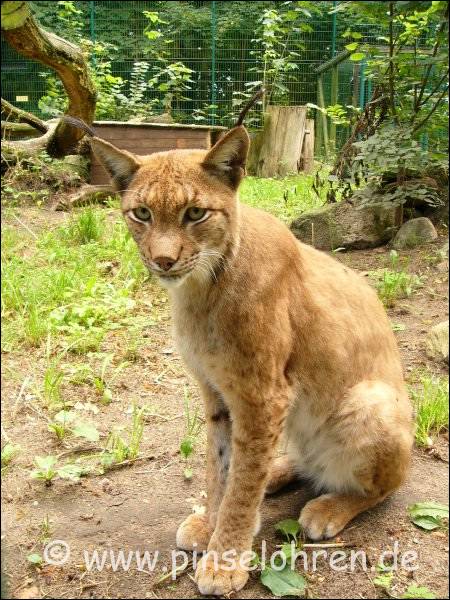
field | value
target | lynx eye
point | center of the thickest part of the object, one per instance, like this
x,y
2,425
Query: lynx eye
x,y
195,213
142,213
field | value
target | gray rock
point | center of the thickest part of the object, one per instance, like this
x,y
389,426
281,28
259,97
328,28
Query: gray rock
x,y
415,233
346,225
437,342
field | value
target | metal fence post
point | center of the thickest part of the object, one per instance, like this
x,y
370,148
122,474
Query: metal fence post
x,y
362,84
213,58
92,28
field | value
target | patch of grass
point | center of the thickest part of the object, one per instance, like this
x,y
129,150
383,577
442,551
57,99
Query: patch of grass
x,y
86,227
284,198
57,283
430,400
394,283
119,449
193,427
51,387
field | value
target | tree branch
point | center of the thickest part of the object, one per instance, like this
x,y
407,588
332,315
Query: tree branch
x,y
426,76
23,117
435,89
437,103
68,61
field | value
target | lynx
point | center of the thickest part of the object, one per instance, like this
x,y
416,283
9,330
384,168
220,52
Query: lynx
x,y
285,342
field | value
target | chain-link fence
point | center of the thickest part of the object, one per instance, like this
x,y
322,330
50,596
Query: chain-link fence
x,y
217,42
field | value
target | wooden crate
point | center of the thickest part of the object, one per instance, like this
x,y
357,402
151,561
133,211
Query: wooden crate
x,y
146,138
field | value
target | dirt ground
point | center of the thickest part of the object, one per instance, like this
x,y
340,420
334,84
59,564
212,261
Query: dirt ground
x,y
140,506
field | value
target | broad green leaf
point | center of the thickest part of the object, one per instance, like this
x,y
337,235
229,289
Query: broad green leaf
x,y
288,527
428,515
9,451
107,459
357,56
283,583
352,46
34,559
71,471
64,417
86,430
45,462
414,591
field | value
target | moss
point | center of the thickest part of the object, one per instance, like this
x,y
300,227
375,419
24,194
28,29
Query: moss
x,y
14,14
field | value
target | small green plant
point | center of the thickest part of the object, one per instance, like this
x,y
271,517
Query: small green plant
x,y
87,226
284,580
431,403
45,528
384,578
415,591
53,379
47,470
9,452
35,327
395,283
117,449
69,422
104,381
35,559
193,427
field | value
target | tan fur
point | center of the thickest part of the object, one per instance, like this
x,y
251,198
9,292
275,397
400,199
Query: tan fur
x,y
284,342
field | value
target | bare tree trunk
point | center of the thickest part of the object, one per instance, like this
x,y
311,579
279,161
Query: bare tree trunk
x,y
282,144
23,33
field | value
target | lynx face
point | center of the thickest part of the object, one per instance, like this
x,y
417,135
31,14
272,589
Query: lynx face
x,y
181,206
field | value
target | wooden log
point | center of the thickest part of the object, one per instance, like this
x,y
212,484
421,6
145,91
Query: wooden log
x,y
86,195
14,131
307,162
12,112
284,131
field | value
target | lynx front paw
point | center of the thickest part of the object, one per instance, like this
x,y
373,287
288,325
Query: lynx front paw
x,y
218,578
194,533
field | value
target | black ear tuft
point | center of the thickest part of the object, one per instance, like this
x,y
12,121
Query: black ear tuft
x,y
79,124
120,164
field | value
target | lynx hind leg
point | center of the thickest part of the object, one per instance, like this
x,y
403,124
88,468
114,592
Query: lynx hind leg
x,y
325,516
283,472
375,424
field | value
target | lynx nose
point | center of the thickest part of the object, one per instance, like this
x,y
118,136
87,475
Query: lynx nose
x,y
164,262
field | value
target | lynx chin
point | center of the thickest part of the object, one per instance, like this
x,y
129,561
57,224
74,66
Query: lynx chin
x,y
288,346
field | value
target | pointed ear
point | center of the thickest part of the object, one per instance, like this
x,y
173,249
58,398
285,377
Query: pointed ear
x,y
120,164
226,159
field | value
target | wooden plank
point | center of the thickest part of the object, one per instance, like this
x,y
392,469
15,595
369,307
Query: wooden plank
x,y
160,126
111,133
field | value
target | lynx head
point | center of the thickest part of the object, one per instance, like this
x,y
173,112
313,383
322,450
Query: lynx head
x,y
181,206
